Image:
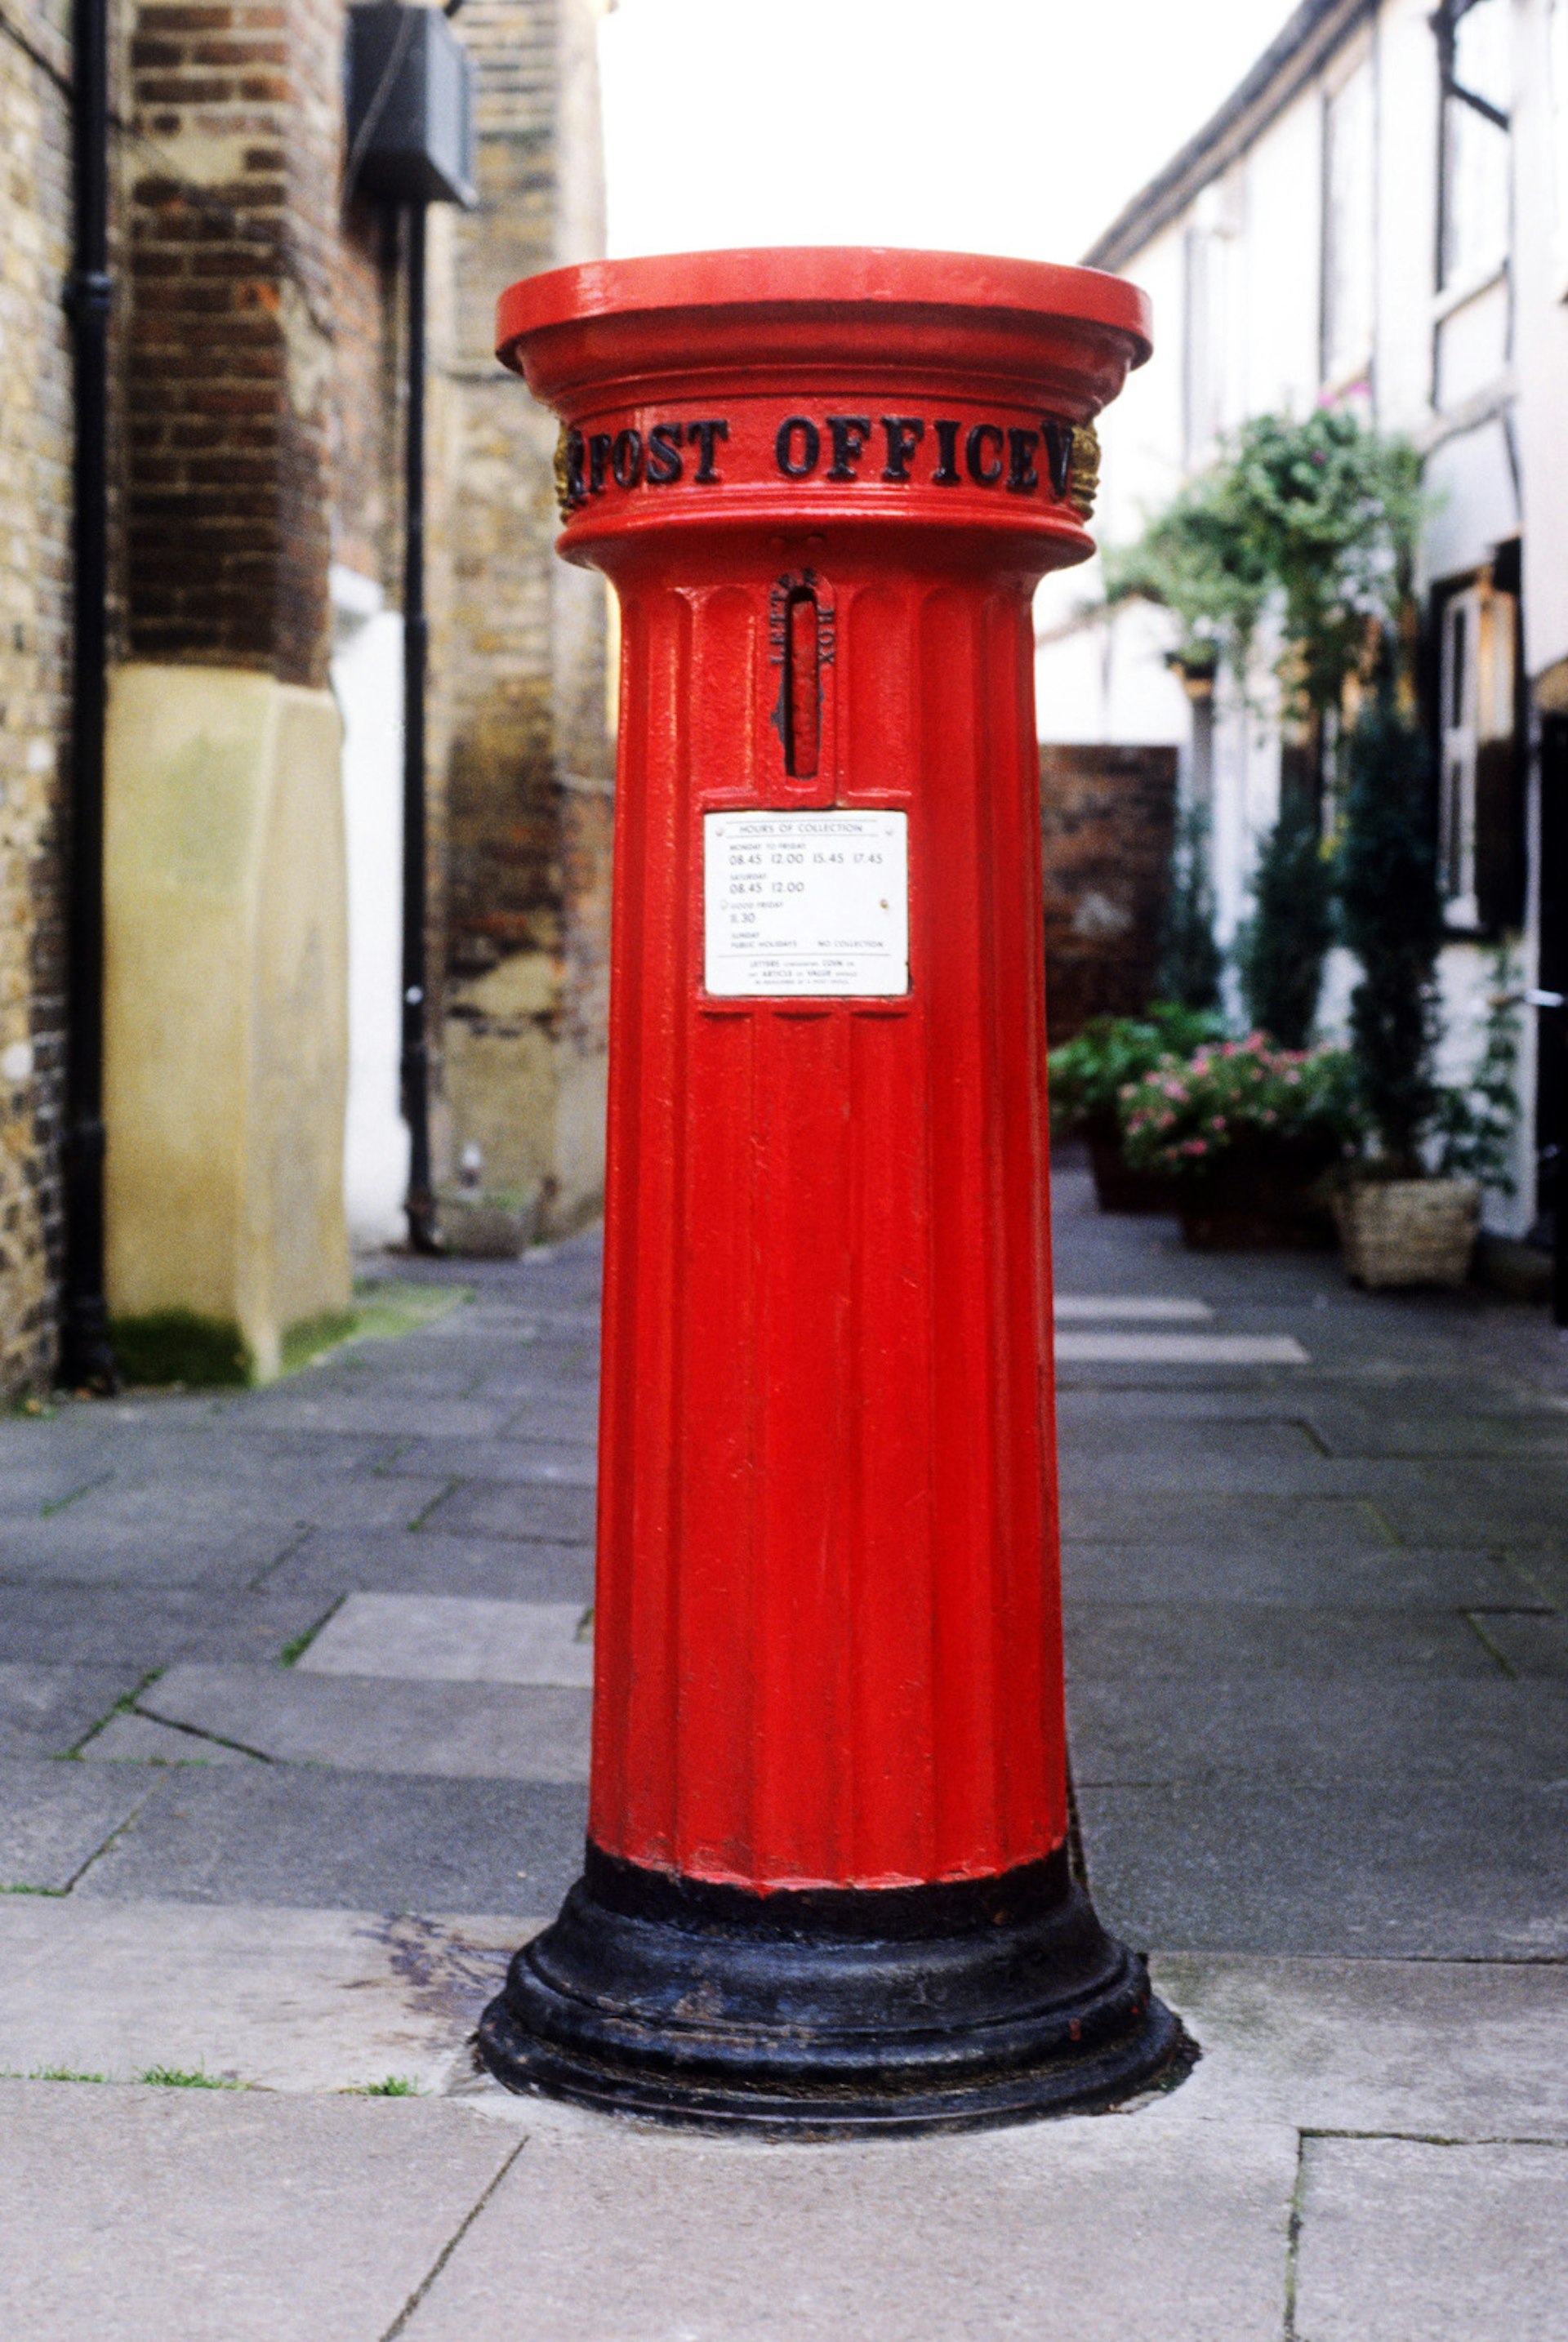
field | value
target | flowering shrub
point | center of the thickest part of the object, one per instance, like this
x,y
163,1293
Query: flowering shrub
x,y
1182,1115
1088,1074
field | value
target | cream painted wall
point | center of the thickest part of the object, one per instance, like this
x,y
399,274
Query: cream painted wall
x,y
226,1029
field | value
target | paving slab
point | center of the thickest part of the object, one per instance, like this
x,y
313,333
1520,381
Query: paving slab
x,y
492,1731
358,1841
54,1817
129,1739
1529,1644
41,1483
534,1510
45,1710
233,1447
274,1996
1254,1566
72,1548
1405,2238
327,1565
1079,1346
197,2215
1134,1309
1379,1869
1290,1525
510,1462
1353,1428
1128,1642
1071,2231
249,1508
1325,1728
414,1416
433,1638
540,1410
1475,2049
142,1628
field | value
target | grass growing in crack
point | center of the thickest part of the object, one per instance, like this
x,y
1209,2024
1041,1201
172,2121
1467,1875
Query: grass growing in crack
x,y
395,2085
125,1705
296,1648
62,2074
182,2077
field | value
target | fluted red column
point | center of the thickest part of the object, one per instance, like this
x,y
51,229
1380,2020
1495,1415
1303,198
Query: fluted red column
x,y
828,1698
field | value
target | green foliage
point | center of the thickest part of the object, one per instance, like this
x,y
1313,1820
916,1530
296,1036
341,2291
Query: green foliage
x,y
1190,962
1391,913
1282,950
177,1345
1088,1074
1474,1123
396,2086
185,2077
1318,517
1181,1117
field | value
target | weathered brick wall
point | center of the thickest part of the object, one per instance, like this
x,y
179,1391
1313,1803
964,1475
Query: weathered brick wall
x,y
522,649
34,519
1107,816
256,367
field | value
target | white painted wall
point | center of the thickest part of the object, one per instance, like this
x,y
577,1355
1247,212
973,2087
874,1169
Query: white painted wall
x,y
1505,355
1541,322
367,683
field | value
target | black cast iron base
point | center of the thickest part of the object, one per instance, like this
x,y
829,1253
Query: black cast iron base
x,y
829,2012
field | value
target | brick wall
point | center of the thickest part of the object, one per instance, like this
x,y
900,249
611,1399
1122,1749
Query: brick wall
x,y
256,365
1107,816
34,518
522,648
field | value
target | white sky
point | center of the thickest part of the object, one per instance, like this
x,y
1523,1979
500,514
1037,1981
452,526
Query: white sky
x,y
1016,127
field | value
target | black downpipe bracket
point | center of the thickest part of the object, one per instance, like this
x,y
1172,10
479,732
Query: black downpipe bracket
x,y
86,1355
421,1202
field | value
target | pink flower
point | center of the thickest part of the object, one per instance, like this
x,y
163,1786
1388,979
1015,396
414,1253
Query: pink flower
x,y
1194,1146
1218,1122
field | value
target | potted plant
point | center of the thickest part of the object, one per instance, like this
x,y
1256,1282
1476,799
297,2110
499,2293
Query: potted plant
x,y
1400,1224
1245,1132
1281,949
1088,1075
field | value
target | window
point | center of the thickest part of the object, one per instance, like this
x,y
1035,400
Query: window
x,y
1349,254
1456,813
1475,42
1479,806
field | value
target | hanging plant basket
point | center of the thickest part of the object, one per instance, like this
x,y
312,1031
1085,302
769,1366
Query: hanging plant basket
x,y
1399,1232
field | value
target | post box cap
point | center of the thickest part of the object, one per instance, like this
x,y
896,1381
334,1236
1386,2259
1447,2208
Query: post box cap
x,y
780,293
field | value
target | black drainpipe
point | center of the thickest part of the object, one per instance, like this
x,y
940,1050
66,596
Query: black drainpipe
x,y
87,1356
421,1203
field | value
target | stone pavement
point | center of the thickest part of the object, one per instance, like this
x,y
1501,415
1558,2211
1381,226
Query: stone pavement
x,y
292,1748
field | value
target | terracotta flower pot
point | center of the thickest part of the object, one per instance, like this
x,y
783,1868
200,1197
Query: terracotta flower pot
x,y
1119,1188
1395,1232
1258,1198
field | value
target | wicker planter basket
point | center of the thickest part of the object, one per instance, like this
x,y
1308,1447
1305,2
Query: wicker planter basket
x,y
1397,1232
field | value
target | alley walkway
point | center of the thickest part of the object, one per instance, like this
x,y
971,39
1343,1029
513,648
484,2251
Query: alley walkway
x,y
294,1746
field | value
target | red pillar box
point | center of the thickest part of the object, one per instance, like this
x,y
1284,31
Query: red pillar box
x,y
827,1884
